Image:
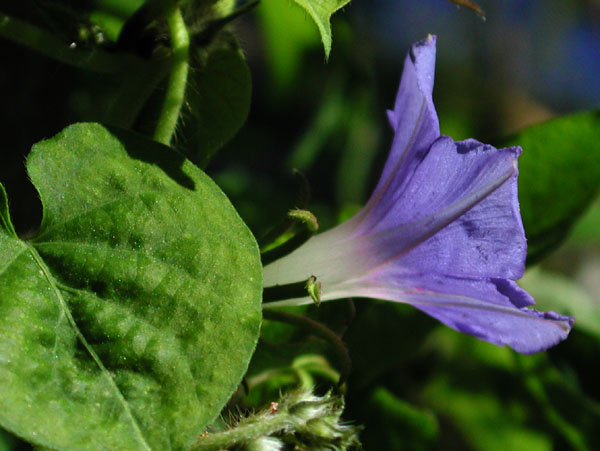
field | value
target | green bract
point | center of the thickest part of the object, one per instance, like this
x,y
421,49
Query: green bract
x,y
130,318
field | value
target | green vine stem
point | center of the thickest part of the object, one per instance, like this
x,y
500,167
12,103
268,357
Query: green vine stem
x,y
247,432
180,42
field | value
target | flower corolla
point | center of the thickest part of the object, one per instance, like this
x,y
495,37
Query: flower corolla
x,y
442,230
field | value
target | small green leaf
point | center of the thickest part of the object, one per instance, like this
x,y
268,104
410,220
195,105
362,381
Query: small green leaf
x,y
478,416
219,100
559,176
130,318
321,11
394,423
7,442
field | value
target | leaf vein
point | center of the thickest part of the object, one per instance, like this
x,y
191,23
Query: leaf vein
x,y
173,269
10,262
63,304
123,198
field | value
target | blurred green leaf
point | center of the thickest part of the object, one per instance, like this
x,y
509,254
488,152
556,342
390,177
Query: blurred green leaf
x,y
557,292
121,8
7,441
486,421
586,231
396,424
130,318
559,177
287,34
361,144
109,24
384,335
455,345
218,98
321,11
327,121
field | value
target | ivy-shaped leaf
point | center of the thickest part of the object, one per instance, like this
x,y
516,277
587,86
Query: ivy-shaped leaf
x,y
130,318
321,11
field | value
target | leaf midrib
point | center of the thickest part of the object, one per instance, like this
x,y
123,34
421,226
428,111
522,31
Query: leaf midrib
x,y
57,292
123,197
174,269
11,261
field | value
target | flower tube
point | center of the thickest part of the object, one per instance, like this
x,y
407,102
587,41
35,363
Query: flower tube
x,y
442,231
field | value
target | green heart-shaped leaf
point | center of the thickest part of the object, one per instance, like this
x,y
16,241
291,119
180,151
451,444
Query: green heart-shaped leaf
x,y
129,320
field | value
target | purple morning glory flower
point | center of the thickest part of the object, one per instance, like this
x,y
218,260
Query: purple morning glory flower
x,y
442,231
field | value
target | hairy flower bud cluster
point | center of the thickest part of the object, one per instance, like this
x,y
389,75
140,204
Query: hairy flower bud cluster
x,y
301,419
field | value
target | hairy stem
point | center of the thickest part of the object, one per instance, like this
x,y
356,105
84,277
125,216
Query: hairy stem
x,y
244,432
180,42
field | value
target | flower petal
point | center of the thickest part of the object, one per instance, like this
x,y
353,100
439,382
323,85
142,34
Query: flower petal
x,y
525,330
442,231
450,181
488,240
332,257
413,119
492,310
